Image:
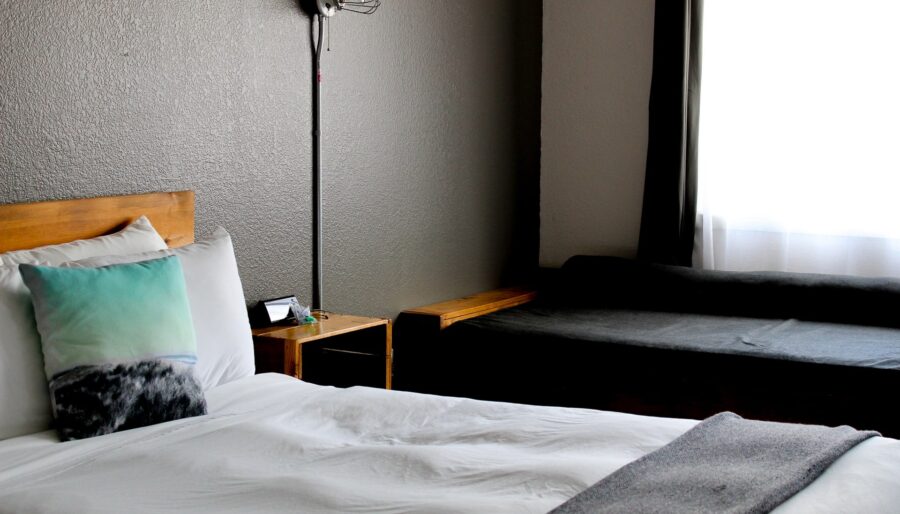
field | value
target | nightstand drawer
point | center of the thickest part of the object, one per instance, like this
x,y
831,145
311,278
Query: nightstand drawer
x,y
362,341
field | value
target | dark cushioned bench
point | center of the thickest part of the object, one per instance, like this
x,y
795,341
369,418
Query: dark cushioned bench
x,y
662,340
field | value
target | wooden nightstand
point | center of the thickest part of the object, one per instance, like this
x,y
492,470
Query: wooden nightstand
x,y
339,350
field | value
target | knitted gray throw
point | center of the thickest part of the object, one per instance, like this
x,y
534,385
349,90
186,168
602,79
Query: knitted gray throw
x,y
724,464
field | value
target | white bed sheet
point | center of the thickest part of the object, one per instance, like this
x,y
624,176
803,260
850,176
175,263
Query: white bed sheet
x,y
273,443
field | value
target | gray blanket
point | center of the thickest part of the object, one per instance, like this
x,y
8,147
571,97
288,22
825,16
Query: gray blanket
x,y
724,464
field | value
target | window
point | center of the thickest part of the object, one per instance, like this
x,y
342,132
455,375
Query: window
x,y
799,142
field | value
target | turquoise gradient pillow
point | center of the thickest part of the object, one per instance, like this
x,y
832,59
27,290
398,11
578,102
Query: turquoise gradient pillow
x,y
118,343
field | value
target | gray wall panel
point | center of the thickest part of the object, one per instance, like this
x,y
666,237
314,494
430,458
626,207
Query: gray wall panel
x,y
429,186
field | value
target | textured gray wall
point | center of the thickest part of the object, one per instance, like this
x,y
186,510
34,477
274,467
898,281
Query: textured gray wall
x,y
594,130
429,146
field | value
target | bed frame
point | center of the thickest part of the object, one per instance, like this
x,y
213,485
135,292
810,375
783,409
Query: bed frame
x,y
29,225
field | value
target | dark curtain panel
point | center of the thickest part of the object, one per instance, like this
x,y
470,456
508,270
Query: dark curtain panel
x,y
670,188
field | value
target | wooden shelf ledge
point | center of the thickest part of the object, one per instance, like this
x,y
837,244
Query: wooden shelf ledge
x,y
451,311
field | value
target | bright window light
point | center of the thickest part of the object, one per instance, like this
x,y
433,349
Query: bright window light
x,y
800,116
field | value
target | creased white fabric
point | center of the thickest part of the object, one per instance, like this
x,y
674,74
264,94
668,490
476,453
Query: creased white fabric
x,y
275,444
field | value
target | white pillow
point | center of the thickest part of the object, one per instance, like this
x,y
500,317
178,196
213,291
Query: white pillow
x,y
24,398
216,296
139,236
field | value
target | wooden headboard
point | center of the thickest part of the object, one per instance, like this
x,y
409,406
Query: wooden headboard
x,y
28,225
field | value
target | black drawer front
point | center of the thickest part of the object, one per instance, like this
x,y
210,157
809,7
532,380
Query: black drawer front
x,y
342,368
370,341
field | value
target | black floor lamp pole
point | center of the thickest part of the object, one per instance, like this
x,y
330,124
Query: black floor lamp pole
x,y
320,9
317,175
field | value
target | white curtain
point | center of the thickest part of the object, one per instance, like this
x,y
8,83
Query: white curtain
x,y
799,142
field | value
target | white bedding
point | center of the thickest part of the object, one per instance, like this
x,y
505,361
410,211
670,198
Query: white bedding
x,y
273,443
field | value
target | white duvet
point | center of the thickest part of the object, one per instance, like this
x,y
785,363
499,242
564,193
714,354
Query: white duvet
x,y
273,443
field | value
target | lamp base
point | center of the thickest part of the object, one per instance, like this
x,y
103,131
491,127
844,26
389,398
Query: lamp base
x,y
319,7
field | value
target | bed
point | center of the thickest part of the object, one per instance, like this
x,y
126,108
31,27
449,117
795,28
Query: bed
x,y
619,334
271,443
